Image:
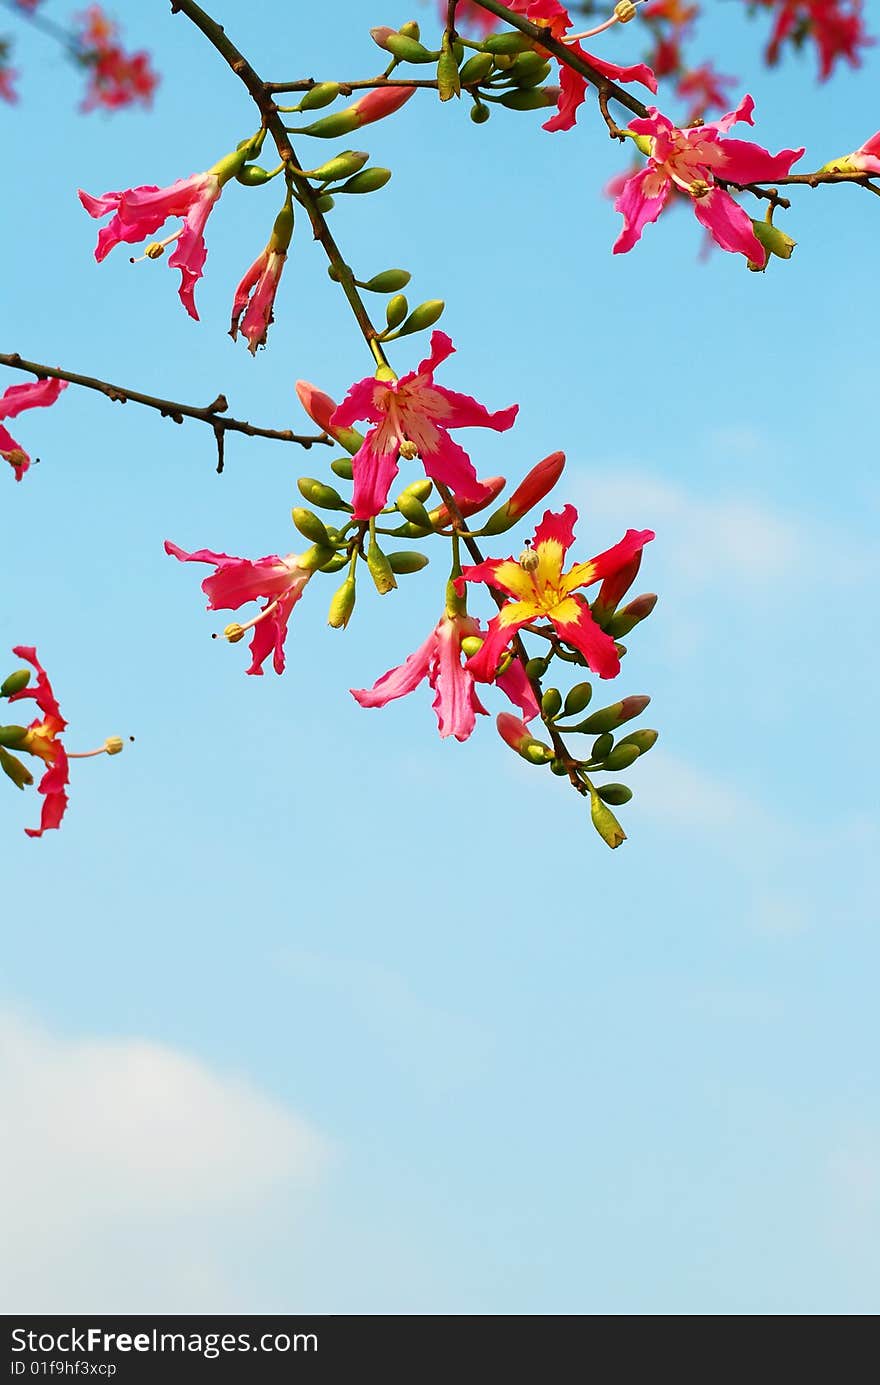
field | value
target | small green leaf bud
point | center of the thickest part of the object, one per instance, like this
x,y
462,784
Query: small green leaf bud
x,y
407,50
507,43
421,489
336,563
631,615
533,99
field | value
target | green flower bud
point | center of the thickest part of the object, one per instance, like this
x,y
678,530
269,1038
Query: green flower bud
x,y
333,126
421,489
537,753
14,769
529,69
336,563
412,509
631,615
16,682
317,557
471,644
320,95
616,794
621,757
533,99
536,668
602,746
407,561
558,767
480,113
605,822
396,310
252,176
12,735
325,203
578,699
551,704
310,526
342,605
507,43
371,180
774,241
410,29
476,68
609,718
407,50
316,493
342,467
643,740
422,317
380,569
342,166
389,281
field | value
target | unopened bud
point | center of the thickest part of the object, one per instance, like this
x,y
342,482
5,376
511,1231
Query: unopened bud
x,y
533,99
407,561
320,408
333,126
632,615
371,180
471,645
518,736
617,794
421,488
15,683
342,605
507,43
476,68
602,746
536,668
381,102
642,740
609,718
342,166
407,50
310,526
774,242
396,310
316,493
12,735
423,317
342,467
412,509
320,95
13,768
479,113
621,757
389,281
551,704
613,589
529,69
529,493
320,556
252,176
492,487
410,29
578,699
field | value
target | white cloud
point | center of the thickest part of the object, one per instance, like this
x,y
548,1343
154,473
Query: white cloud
x,y
135,1176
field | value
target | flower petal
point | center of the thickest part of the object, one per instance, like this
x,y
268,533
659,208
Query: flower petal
x,y
638,206
729,225
584,634
397,682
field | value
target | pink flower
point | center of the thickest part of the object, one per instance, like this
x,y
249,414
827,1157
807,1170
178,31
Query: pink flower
x,y
42,740
550,15
379,103
12,402
439,660
139,212
116,78
260,284
706,90
865,159
412,418
541,590
277,581
837,26
691,161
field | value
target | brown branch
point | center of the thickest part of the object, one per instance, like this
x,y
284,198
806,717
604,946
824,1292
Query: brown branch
x,y
213,414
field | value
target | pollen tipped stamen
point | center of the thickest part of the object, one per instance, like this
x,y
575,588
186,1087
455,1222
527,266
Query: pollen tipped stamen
x,y
623,13
112,746
235,632
156,249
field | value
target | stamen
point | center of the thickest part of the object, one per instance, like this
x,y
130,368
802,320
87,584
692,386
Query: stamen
x,y
156,249
235,632
623,13
112,746
408,449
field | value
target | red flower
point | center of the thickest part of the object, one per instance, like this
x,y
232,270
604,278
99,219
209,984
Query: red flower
x,y
13,402
42,740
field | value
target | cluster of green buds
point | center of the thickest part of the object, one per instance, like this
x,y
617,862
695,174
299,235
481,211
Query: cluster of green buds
x,y
13,737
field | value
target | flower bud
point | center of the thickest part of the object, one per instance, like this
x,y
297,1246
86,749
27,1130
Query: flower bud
x,y
12,735
613,589
318,556
448,80
529,493
529,69
316,493
636,611
602,746
533,99
396,310
476,68
320,407
507,43
371,180
342,467
492,487
609,718
578,699
617,794
310,526
333,126
335,563
407,561
642,740
621,757
551,704
479,113
517,735
389,281
342,605
412,509
405,49
410,29
380,569
252,176
422,317
15,683
536,668
13,768
774,241
605,822
471,645
321,94
342,166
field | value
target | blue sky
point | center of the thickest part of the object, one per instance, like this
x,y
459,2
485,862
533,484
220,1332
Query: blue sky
x,y
305,1009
